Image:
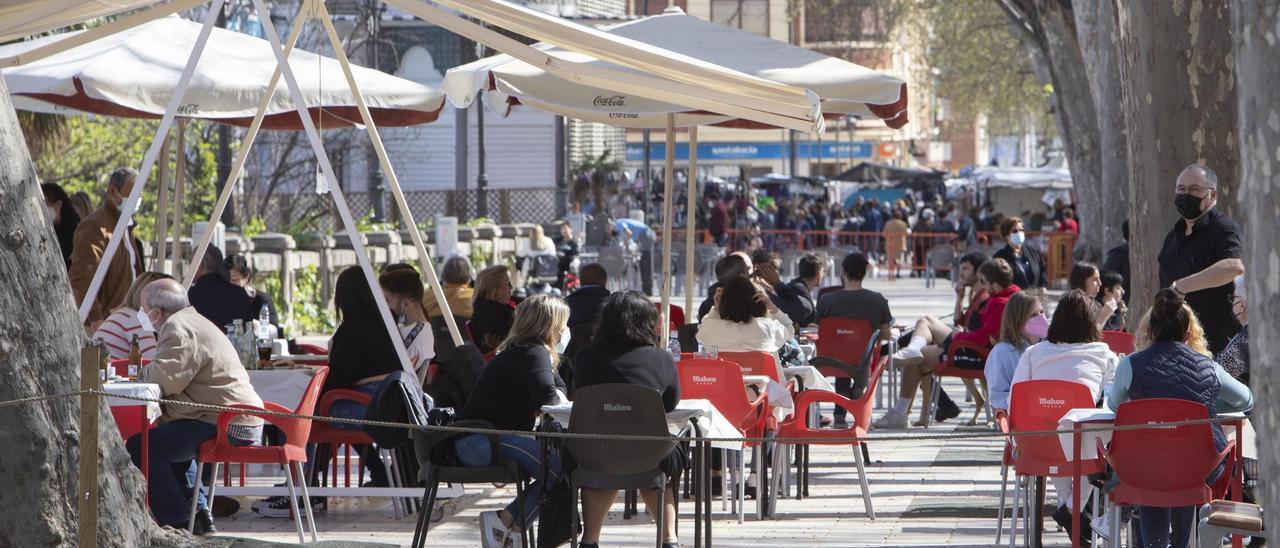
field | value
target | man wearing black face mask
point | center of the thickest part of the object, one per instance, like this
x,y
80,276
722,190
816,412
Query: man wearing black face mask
x,y
1201,255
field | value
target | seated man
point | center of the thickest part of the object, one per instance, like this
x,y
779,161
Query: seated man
x,y
796,306
854,303
810,269
585,301
929,329
194,362
214,296
996,277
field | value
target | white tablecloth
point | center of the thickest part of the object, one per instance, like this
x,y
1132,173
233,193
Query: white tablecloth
x,y
813,379
717,427
136,389
281,386
1094,417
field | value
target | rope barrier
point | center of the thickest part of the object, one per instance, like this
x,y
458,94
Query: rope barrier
x,y
618,437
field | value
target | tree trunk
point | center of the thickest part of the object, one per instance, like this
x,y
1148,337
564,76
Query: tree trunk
x,y
40,350
1050,25
1096,31
1259,76
1179,93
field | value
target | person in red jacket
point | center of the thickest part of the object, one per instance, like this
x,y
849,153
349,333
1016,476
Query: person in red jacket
x,y
920,357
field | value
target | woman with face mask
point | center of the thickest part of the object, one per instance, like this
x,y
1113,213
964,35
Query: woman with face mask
x,y
625,351
1026,260
402,286
1072,351
1022,325
510,393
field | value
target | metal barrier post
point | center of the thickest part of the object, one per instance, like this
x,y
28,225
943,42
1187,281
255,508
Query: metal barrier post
x,y
92,364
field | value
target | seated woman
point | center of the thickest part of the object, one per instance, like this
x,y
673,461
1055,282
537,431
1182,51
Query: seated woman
x,y
510,394
1170,368
1022,325
1087,278
491,314
242,275
744,319
455,281
121,326
626,352
1073,351
536,245
402,287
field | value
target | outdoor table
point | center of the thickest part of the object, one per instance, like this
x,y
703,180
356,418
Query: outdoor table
x,y
284,386
780,400
810,378
707,422
1080,418
133,416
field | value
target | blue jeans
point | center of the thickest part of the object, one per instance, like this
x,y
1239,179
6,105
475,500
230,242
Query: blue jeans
x,y
474,450
347,409
1170,527
172,450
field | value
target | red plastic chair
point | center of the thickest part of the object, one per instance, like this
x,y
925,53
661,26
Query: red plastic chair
x,y
291,455
798,427
312,349
1163,467
756,363
946,369
1119,342
323,433
720,382
1006,461
845,340
1038,406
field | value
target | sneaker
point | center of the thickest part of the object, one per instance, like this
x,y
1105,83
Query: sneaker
x,y
907,353
891,420
493,533
259,505
278,506
1102,526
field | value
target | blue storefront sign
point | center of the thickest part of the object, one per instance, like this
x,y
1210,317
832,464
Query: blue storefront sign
x,y
712,152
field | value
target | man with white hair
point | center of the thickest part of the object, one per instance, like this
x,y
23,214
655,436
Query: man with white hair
x,y
194,362
1202,254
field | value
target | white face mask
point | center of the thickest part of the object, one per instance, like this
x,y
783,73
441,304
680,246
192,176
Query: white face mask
x,y
1018,238
51,211
564,340
145,321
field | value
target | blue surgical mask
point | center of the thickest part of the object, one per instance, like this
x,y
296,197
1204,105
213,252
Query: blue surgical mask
x,y
564,341
1018,238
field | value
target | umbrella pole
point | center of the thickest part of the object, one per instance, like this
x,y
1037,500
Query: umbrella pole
x,y
690,221
149,160
241,158
179,196
326,169
162,210
406,214
667,184
228,186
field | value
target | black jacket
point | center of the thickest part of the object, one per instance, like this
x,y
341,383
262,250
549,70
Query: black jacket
x,y
1028,273
805,307
219,300
584,303
604,363
512,389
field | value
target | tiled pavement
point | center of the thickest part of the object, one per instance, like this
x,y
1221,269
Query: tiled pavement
x,y
926,493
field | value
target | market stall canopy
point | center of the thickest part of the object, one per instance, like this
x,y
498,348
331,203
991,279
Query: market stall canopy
x,y
867,172
22,18
1038,178
132,74
843,87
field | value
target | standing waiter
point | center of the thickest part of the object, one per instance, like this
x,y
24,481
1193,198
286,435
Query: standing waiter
x,y
1201,255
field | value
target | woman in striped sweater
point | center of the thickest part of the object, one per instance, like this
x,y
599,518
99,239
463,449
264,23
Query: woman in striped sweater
x,y
118,329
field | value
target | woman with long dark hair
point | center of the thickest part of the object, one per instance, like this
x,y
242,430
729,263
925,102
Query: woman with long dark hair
x,y
625,351
62,213
1169,368
744,319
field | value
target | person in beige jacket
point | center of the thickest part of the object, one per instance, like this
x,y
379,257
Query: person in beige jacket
x,y
194,362
89,244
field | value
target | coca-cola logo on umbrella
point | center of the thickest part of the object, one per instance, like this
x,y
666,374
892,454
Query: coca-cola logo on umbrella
x,y
611,101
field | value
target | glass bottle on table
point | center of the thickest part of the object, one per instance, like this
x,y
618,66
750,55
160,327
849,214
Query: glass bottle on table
x,y
135,358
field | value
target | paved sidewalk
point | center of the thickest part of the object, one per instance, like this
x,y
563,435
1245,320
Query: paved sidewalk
x,y
926,493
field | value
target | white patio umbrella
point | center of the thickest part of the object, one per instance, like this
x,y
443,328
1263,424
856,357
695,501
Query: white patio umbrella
x,y
132,74
844,88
